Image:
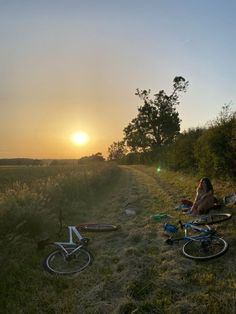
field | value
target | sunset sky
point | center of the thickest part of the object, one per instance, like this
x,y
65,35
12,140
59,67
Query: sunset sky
x,y
71,66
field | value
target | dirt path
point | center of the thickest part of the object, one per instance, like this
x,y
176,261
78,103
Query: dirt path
x,y
134,267
140,192
135,271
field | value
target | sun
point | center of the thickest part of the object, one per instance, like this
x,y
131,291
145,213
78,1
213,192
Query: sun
x,y
79,138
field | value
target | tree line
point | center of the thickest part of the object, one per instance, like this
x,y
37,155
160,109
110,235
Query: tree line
x,y
154,136
20,162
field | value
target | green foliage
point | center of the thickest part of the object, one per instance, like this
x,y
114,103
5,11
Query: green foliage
x,y
180,155
157,122
93,158
138,158
117,150
210,151
215,150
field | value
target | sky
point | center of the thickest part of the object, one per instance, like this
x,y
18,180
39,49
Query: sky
x,y
74,65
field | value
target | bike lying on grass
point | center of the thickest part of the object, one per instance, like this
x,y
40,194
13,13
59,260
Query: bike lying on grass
x,y
204,243
211,219
72,257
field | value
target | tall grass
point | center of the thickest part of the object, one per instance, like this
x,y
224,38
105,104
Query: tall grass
x,y
34,207
33,197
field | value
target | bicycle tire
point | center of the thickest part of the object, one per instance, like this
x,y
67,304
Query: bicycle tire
x,y
56,263
97,227
212,219
205,249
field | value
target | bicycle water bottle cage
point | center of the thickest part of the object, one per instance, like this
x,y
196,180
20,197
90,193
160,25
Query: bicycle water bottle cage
x,y
170,228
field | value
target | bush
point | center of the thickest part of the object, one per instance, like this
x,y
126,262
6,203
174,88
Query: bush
x,y
211,151
215,150
180,154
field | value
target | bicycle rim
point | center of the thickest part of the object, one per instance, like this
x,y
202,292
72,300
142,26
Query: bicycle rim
x,y
212,219
97,227
57,263
205,249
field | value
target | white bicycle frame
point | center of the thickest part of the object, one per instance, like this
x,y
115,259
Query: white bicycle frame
x,y
63,245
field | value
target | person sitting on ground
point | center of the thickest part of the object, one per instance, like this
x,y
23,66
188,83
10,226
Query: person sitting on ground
x,y
204,199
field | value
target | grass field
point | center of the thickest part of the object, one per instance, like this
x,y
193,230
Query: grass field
x,y
134,271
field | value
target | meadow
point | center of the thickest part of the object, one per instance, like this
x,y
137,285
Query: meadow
x,y
133,271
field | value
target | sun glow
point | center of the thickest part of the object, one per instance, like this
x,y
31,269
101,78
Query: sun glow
x,y
79,138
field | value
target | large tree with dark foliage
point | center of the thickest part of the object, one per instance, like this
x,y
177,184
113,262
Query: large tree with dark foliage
x,y
157,122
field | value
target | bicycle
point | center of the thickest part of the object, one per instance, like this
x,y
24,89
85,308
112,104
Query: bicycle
x,y
211,219
73,257
205,245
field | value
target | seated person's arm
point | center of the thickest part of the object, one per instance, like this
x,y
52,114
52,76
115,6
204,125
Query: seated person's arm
x,y
206,195
199,199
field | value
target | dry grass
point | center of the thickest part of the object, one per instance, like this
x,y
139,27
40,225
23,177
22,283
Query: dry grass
x,y
134,271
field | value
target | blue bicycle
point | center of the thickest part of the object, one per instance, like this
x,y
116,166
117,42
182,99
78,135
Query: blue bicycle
x,y
203,243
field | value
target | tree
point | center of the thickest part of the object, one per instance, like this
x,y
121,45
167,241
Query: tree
x,y
157,122
93,157
117,150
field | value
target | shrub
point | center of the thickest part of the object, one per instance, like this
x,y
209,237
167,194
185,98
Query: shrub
x,y
180,154
215,150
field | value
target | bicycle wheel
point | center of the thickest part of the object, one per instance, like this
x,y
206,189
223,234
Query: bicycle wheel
x,y
205,249
212,219
97,227
57,262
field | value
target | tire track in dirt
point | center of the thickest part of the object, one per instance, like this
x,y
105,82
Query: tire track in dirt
x,y
140,191
134,262
130,192
134,270
165,186
157,195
